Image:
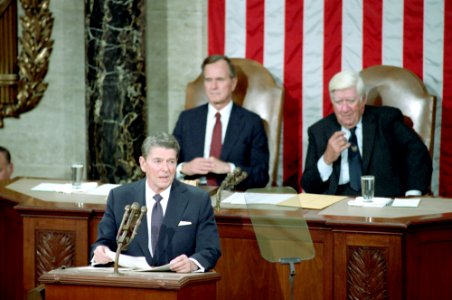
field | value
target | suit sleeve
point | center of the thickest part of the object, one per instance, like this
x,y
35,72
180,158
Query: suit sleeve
x,y
259,158
207,249
417,163
311,181
178,134
108,227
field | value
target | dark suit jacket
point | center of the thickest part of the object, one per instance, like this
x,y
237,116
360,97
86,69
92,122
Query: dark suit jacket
x,y
186,203
392,152
245,143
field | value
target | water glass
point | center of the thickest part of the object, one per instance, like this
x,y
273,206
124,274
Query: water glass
x,y
367,187
77,175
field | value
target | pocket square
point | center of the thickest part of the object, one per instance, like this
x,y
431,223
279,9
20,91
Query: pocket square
x,y
184,223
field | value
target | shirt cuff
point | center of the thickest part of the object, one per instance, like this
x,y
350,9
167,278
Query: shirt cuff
x,y
324,169
179,174
201,269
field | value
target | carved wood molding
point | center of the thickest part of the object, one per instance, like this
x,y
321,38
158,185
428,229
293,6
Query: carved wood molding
x,y
367,273
37,25
53,250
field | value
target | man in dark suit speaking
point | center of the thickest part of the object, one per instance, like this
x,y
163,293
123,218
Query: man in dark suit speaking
x,y
364,140
179,227
220,136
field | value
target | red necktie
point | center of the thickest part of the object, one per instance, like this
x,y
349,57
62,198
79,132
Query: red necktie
x,y
215,145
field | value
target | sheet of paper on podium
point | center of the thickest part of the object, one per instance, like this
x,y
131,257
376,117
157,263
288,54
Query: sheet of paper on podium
x,y
312,201
136,263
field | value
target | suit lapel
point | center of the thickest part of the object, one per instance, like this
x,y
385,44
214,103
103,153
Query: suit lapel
x,y
199,131
142,234
369,126
334,181
232,132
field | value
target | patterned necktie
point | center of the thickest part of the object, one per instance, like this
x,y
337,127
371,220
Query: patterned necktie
x,y
156,222
215,147
354,162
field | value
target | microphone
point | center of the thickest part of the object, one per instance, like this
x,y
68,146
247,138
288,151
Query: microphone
x,y
127,231
232,179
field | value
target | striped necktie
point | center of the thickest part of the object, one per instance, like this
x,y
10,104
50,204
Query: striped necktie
x,y
354,162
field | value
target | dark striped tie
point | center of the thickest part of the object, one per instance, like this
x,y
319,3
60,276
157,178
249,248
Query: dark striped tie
x,y
156,222
354,162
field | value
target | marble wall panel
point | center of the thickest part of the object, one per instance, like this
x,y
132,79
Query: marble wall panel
x,y
116,89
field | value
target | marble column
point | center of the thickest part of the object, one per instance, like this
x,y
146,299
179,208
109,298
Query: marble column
x,y
116,100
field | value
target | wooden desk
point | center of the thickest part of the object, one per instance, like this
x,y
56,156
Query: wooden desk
x,y
395,258
76,283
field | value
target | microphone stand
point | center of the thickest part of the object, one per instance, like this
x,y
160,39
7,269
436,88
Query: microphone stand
x,y
232,179
131,220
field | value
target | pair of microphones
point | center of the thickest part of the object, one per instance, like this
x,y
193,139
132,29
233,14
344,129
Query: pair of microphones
x,y
131,220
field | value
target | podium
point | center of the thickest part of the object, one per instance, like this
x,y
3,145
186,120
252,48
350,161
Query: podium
x,y
80,283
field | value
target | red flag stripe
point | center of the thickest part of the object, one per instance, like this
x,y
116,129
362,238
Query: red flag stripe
x,y
255,30
332,49
292,134
372,33
216,26
413,37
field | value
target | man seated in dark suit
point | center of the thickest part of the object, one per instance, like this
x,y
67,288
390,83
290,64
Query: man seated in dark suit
x,y
240,136
383,146
187,238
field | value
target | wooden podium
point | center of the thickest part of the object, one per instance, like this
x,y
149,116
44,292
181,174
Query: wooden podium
x,y
80,283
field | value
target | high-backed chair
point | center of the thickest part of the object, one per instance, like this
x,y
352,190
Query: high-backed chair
x,y
257,91
401,88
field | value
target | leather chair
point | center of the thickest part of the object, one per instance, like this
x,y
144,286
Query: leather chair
x,y
401,88
257,91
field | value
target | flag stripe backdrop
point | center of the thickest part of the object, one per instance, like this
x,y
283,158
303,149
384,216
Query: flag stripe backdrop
x,y
304,43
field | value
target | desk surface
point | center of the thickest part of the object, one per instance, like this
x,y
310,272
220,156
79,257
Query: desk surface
x,y
430,210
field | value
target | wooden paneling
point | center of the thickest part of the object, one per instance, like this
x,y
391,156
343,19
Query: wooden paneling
x,y
10,252
50,243
399,258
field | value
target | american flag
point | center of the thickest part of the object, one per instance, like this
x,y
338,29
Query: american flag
x,y
305,42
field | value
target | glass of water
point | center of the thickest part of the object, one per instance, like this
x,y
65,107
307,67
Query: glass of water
x,y
77,175
367,187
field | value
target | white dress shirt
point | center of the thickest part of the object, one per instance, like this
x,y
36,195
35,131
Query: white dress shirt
x,y
225,113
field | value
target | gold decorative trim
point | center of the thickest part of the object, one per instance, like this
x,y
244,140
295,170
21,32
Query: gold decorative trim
x,y
8,79
37,25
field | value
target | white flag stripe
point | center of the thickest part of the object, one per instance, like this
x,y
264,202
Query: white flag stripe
x,y
433,70
352,35
274,38
392,52
235,27
312,74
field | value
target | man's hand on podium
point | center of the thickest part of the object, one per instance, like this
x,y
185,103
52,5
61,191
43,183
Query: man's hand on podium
x,y
182,264
100,255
